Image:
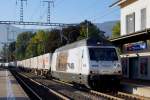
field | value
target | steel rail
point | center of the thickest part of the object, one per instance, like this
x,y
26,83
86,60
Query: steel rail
x,y
94,92
50,90
29,88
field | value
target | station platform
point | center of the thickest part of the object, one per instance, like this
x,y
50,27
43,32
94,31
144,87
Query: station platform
x,y
137,87
10,88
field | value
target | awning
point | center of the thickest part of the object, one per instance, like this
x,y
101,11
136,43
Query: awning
x,y
130,38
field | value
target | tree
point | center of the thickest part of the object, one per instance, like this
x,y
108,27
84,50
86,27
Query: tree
x,y
37,44
87,29
22,43
31,50
8,51
30,45
72,33
116,30
54,40
11,50
4,52
41,38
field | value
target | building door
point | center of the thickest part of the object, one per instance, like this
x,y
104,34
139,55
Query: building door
x,y
133,68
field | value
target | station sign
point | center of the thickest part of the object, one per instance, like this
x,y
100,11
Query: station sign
x,y
136,46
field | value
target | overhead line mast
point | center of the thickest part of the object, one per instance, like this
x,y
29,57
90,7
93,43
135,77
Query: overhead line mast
x,y
22,9
49,10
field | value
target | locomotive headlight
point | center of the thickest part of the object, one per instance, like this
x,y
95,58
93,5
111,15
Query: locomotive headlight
x,y
94,72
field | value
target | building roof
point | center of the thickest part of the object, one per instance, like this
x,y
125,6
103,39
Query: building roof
x,y
134,37
122,3
117,3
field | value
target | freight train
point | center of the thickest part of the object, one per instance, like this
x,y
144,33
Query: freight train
x,y
89,62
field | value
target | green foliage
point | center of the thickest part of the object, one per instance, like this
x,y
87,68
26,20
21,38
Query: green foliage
x,y
87,29
72,33
11,50
54,40
30,45
37,44
31,50
116,30
4,52
22,43
12,47
41,38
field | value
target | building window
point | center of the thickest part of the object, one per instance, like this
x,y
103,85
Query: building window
x,y
130,23
144,66
143,19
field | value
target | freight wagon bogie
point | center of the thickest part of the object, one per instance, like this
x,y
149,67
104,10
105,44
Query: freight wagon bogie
x,y
104,82
43,64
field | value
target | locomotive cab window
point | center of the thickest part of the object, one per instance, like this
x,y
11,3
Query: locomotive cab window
x,y
103,54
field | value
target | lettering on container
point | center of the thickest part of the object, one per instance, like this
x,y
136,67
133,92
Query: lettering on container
x,y
62,62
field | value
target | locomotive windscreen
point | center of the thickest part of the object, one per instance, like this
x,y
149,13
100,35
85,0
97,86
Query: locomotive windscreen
x,y
103,54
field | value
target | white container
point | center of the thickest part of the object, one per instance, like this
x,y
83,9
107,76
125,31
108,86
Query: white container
x,y
40,62
34,63
47,61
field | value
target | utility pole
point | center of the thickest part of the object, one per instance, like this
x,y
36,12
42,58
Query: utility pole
x,y
6,48
60,33
87,29
62,36
49,10
22,9
8,32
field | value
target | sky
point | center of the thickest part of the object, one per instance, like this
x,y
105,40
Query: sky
x,y
64,11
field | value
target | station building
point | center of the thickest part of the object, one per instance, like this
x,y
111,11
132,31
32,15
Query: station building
x,y
135,38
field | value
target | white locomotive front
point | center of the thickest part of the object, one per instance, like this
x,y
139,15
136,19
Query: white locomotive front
x,y
105,67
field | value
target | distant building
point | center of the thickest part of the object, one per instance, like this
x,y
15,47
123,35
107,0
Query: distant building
x,y
135,38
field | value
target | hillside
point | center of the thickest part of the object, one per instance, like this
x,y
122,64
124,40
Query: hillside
x,y
106,27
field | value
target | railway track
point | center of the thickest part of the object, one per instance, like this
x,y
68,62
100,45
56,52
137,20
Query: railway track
x,y
127,96
74,94
79,94
107,96
118,96
37,91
